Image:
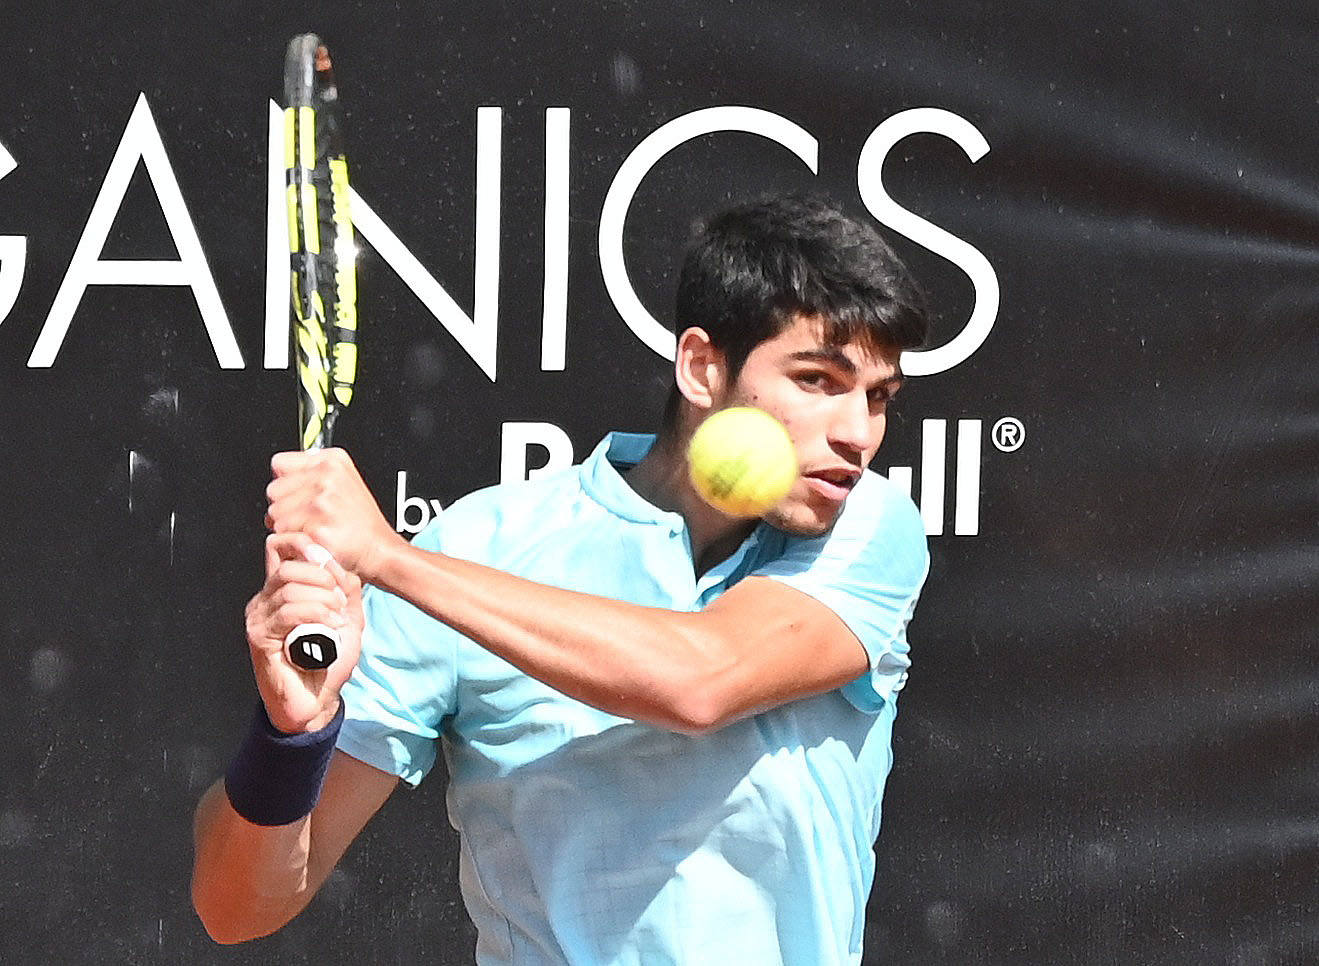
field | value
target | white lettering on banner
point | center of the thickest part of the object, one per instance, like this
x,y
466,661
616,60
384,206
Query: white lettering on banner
x,y
966,488
403,503
414,513
1009,434
278,298
477,334
554,325
634,170
141,141
13,252
13,260
966,500
516,441
514,449
870,182
933,446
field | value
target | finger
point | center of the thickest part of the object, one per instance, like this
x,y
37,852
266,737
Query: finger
x,y
285,518
331,597
285,546
276,597
288,515
297,509
322,559
282,464
335,467
345,582
272,555
281,486
289,615
336,571
304,573
354,592
318,555
336,455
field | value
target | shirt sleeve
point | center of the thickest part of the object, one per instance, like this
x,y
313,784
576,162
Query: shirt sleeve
x,y
868,570
404,685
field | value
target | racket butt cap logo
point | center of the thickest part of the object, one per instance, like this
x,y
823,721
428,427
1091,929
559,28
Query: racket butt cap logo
x,y
312,647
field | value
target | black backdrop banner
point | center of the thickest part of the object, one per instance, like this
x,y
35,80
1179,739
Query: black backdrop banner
x,y
1108,751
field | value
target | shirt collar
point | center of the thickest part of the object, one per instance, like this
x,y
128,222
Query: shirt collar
x,y
602,478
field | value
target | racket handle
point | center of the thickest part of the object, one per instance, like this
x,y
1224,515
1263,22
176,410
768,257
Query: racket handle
x,y
313,647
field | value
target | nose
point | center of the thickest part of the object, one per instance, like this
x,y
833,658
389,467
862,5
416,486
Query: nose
x,y
855,427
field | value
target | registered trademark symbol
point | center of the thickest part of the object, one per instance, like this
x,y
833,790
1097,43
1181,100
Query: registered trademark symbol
x,y
1008,434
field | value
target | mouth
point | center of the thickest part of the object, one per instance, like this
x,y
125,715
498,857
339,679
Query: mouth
x,y
833,483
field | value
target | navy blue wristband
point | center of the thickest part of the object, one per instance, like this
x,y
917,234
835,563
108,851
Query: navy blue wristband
x,y
276,779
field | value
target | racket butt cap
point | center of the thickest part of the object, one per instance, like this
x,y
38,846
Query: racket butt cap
x,y
312,647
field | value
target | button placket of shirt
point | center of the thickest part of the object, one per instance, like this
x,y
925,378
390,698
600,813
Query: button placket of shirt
x,y
714,581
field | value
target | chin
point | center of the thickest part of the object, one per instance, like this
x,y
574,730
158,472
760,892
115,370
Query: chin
x,y
800,519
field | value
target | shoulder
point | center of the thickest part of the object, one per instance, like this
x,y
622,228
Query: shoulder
x,y
879,511
878,518
878,537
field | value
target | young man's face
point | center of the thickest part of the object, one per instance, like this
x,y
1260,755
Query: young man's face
x,y
833,401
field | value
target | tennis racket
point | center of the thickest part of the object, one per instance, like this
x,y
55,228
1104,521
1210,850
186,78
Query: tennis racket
x,y
324,278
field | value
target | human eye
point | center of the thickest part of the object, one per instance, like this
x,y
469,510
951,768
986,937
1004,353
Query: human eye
x,y
817,380
881,396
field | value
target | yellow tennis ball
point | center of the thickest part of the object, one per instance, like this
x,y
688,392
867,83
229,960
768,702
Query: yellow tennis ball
x,y
741,461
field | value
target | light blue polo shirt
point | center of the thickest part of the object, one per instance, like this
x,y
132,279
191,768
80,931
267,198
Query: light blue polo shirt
x,y
593,839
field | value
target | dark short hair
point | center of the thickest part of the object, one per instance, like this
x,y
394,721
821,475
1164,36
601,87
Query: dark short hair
x,y
752,269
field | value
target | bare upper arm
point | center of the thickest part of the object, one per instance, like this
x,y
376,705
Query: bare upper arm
x,y
779,645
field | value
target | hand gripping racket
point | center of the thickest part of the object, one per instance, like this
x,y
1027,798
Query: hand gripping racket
x,y
324,278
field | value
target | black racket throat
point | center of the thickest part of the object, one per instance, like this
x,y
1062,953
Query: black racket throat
x,y
322,246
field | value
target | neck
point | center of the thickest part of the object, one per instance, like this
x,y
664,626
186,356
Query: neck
x,y
661,478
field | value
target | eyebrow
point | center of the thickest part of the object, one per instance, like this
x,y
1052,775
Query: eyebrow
x,y
836,357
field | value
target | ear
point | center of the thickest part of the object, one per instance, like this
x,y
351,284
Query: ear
x,y
699,369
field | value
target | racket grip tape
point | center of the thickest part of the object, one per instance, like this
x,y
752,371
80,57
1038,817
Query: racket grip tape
x,y
313,647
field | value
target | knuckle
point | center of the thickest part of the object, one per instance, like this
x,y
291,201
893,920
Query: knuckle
x,y
286,615
285,576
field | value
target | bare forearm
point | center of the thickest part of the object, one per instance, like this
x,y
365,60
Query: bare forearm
x,y
658,666
247,880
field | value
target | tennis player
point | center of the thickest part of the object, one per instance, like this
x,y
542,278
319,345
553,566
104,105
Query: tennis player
x,y
667,731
